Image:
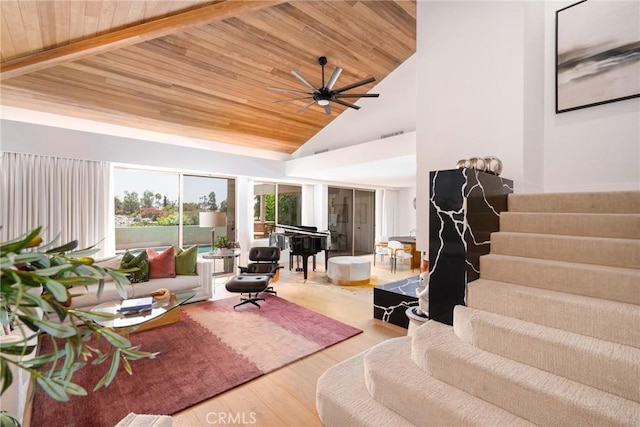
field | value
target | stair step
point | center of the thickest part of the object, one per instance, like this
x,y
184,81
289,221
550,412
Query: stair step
x,y
601,202
399,384
622,226
533,394
342,398
600,364
588,250
607,320
611,283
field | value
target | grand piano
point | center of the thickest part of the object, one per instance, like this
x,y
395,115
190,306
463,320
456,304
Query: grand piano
x,y
302,241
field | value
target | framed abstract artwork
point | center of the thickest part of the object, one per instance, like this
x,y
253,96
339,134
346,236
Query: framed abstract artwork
x,y
597,53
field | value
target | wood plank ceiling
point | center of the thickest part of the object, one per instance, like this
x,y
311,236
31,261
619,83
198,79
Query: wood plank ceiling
x,y
197,69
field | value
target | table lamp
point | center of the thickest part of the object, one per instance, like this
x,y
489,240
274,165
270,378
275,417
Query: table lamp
x,y
213,220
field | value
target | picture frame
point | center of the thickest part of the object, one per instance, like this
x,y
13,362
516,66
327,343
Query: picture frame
x,y
597,54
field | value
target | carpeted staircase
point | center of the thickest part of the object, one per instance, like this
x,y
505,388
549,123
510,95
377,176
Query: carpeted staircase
x,y
550,334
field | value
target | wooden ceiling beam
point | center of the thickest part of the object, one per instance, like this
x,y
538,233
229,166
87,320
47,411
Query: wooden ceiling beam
x,y
130,36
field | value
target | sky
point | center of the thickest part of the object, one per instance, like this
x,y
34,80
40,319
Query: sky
x,y
167,184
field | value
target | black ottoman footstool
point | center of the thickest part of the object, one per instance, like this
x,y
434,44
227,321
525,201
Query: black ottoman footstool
x,y
251,284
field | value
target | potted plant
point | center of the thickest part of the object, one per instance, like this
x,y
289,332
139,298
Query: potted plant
x,y
224,246
36,288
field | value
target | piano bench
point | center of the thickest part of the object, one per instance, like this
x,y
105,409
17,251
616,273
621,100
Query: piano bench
x,y
349,270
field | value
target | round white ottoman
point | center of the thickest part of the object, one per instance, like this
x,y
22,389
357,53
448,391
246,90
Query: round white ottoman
x,y
349,270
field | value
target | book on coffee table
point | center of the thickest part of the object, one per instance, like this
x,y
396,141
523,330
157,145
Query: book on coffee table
x,y
136,304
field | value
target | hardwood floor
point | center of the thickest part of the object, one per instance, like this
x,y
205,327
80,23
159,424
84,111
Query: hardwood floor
x,y
286,397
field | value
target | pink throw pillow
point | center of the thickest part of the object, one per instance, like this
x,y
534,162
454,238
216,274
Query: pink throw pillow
x,y
162,264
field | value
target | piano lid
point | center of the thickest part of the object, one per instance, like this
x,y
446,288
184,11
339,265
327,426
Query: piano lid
x,y
310,231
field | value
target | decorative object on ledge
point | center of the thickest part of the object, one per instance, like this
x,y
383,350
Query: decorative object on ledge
x,y
465,206
489,164
493,165
597,54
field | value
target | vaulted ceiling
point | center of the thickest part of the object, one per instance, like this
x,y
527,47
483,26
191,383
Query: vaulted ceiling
x,y
198,69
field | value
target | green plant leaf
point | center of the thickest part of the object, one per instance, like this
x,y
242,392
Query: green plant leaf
x,y
127,366
75,389
53,388
63,248
133,353
56,269
16,350
93,315
19,243
111,374
114,338
55,329
28,257
28,321
7,376
57,289
43,359
7,420
77,280
70,357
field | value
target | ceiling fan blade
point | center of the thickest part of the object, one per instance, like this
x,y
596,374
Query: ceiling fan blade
x,y
303,80
292,100
356,95
333,78
307,106
327,109
356,84
284,89
348,104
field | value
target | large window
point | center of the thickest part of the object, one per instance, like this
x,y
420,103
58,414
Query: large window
x,y
159,209
275,204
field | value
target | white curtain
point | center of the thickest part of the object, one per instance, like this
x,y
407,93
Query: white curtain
x,y
386,206
67,197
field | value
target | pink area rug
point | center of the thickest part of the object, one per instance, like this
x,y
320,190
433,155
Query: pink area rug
x,y
210,350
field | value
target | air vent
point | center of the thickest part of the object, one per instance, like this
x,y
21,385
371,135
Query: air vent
x,y
321,151
400,132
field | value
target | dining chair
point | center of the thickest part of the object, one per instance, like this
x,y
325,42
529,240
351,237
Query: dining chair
x,y
380,248
396,251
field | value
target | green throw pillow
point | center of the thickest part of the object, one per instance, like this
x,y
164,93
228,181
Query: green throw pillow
x,y
186,261
141,262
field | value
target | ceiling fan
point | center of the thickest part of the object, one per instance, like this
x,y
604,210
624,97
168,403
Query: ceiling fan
x,y
326,94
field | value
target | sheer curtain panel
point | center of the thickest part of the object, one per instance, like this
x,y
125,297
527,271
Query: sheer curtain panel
x,y
67,197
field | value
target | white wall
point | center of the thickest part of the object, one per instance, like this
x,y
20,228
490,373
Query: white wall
x,y
51,141
591,149
406,214
486,86
471,90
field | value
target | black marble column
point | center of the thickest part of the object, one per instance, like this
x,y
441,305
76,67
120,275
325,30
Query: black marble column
x,y
465,206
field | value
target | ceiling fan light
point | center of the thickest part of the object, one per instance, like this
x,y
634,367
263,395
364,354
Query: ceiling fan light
x,y
323,102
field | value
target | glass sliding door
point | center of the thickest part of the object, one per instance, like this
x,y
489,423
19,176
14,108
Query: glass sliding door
x,y
264,209
363,222
157,209
275,204
205,194
289,204
146,207
340,220
351,221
